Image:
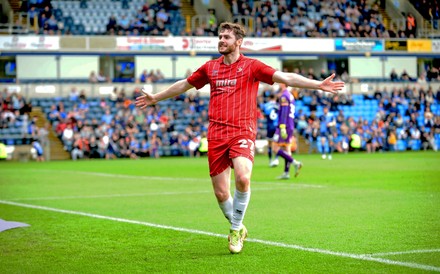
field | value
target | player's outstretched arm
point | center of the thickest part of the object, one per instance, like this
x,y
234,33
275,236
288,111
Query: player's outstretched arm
x,y
175,89
299,81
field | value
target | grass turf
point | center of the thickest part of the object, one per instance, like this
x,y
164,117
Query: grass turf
x,y
335,211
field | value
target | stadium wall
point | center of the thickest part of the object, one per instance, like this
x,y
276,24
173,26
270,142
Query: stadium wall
x,y
79,67
54,67
380,67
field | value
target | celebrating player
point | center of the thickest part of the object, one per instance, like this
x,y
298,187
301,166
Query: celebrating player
x,y
232,130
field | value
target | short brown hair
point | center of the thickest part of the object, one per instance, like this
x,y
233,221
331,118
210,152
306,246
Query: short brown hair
x,y
237,29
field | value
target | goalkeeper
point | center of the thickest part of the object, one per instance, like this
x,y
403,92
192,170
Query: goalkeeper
x,y
284,132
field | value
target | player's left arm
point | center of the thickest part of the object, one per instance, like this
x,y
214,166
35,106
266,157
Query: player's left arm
x,y
299,81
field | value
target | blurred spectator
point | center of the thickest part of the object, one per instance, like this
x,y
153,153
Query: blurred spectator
x,y
33,15
73,95
411,25
68,137
93,78
432,74
394,76
405,76
422,78
159,75
145,77
155,144
39,152
112,23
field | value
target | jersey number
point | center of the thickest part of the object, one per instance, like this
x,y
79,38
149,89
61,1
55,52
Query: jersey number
x,y
292,111
247,144
273,115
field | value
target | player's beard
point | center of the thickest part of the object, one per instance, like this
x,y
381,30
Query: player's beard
x,y
227,48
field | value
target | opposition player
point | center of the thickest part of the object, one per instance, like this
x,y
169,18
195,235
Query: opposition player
x,y
270,110
232,130
284,133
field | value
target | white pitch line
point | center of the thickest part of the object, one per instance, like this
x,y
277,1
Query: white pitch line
x,y
160,178
270,243
139,194
404,252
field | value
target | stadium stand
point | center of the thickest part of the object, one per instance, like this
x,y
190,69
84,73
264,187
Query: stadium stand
x,y
113,127
407,118
112,17
313,18
411,114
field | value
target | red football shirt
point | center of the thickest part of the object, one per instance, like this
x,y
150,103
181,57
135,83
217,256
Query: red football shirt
x,y
233,102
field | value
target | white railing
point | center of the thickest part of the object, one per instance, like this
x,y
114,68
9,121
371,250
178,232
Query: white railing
x,y
428,29
17,27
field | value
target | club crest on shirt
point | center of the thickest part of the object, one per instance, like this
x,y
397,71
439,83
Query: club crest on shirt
x,y
215,72
240,69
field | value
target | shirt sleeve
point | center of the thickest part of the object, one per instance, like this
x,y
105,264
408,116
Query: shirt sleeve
x,y
199,78
263,72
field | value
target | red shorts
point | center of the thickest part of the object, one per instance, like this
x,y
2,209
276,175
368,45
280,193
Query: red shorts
x,y
221,152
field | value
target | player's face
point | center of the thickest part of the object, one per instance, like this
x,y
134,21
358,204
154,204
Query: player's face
x,y
227,42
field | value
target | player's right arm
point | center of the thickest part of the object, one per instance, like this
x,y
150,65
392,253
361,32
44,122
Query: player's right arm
x,y
175,89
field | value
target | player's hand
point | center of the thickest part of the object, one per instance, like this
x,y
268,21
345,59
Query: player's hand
x,y
283,131
145,100
330,86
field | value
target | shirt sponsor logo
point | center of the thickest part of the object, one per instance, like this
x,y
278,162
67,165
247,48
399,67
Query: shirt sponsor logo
x,y
225,83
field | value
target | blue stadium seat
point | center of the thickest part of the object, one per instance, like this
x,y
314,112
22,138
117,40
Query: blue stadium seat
x,y
68,22
10,142
401,145
416,145
6,131
58,13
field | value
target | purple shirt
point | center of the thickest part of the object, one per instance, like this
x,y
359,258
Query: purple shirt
x,y
286,114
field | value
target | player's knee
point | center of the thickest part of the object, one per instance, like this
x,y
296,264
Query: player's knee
x,y
221,195
242,182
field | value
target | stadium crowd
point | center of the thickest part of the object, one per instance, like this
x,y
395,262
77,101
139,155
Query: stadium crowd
x,y
163,17
112,127
311,18
430,10
270,18
405,118
400,119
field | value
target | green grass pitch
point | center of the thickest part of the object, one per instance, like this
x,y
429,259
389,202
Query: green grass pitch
x,y
358,213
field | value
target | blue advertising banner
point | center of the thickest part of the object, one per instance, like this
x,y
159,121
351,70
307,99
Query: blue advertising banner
x,y
353,44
